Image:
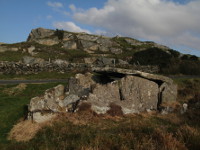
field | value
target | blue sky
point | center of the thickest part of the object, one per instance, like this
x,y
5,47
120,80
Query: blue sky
x,y
174,23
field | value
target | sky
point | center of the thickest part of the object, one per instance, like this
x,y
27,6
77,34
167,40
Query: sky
x,y
174,23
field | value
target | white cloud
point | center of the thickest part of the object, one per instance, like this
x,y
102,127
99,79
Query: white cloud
x,y
163,21
72,7
55,4
69,26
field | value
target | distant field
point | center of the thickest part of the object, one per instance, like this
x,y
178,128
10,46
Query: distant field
x,y
41,75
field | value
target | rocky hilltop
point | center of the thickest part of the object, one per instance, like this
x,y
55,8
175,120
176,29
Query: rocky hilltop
x,y
87,42
122,52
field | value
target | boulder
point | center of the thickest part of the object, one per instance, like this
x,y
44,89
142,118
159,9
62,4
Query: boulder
x,y
137,94
89,45
39,33
122,62
61,62
103,61
68,36
32,60
70,45
116,50
87,37
133,42
125,90
50,101
107,42
48,41
90,60
31,50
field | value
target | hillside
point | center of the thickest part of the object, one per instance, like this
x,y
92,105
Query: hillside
x,y
51,45
104,101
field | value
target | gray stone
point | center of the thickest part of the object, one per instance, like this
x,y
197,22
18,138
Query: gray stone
x,y
87,37
116,50
70,99
49,101
90,60
168,92
102,96
39,33
122,62
138,94
131,91
103,48
103,61
68,36
81,84
105,42
167,88
133,42
70,45
42,117
32,60
47,41
31,50
61,62
89,45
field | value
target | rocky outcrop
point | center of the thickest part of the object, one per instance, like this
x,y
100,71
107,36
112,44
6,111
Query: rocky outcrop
x,y
5,48
44,108
83,41
39,33
130,92
166,85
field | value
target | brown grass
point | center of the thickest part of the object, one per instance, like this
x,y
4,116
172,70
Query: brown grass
x,y
15,90
167,141
115,110
84,107
24,131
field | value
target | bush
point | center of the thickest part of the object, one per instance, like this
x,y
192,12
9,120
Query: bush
x,y
115,110
59,34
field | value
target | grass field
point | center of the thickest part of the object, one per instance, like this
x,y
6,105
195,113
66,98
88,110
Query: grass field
x,y
86,130
12,106
41,75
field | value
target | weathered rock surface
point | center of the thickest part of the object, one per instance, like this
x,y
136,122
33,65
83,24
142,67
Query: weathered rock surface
x,y
44,107
87,42
40,33
133,93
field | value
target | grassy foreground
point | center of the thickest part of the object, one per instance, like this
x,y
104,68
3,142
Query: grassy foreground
x,y
87,131
13,102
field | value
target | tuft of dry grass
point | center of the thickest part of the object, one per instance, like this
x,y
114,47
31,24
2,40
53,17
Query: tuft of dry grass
x,y
115,110
190,136
15,90
24,131
167,141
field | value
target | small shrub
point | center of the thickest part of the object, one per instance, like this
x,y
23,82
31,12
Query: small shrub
x,y
59,34
115,110
84,107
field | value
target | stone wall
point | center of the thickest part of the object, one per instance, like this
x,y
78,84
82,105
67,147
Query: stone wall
x,y
60,66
